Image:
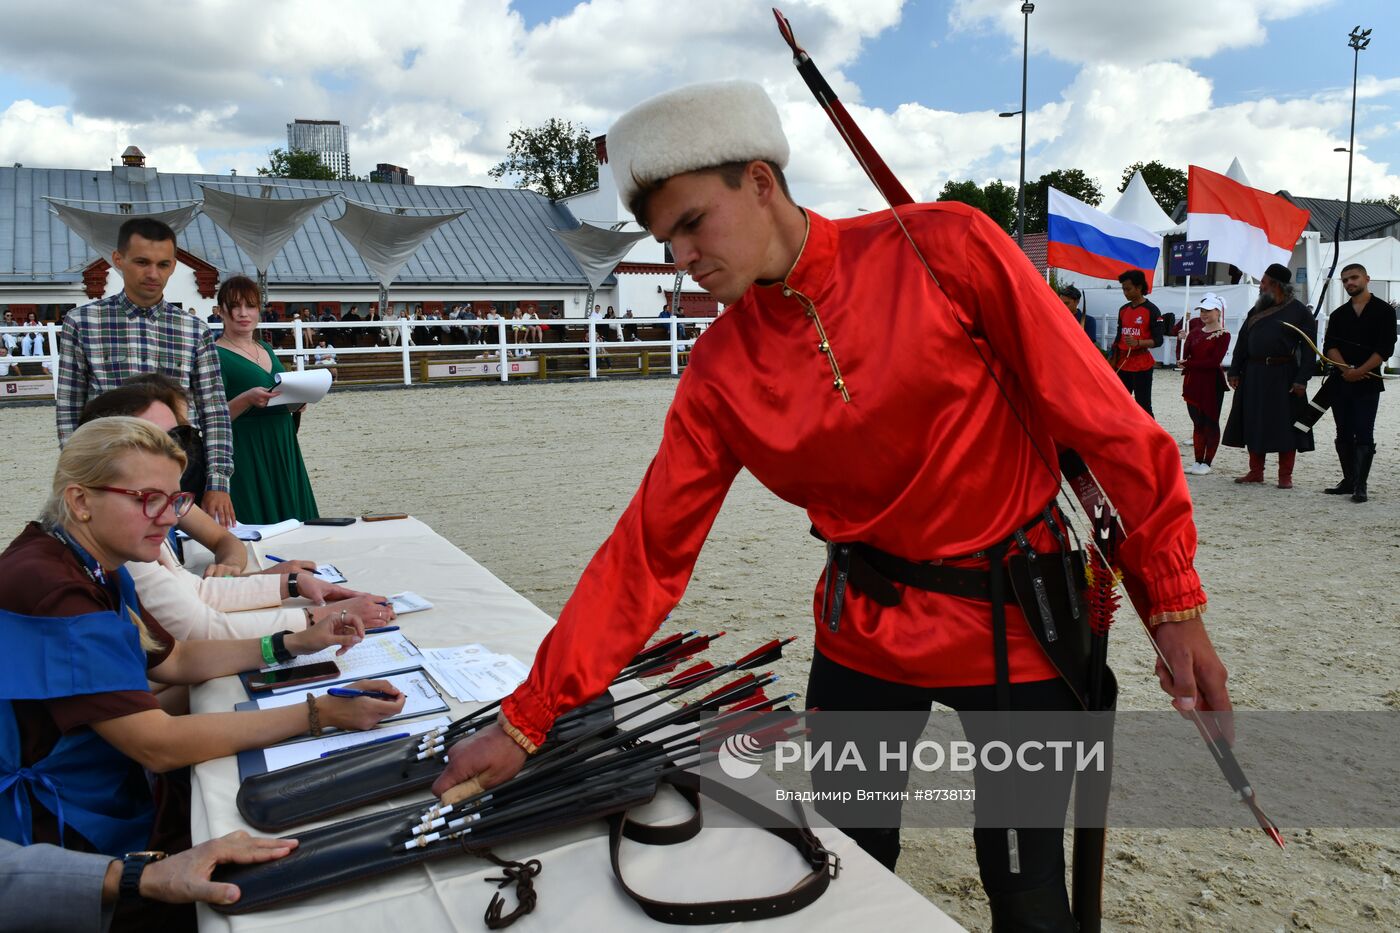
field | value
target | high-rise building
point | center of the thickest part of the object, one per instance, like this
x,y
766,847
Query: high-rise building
x,y
326,138
386,174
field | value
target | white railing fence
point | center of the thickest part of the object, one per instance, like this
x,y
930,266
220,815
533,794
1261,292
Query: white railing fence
x,y
502,339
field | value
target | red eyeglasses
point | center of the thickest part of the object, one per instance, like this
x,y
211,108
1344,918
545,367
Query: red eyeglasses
x,y
155,503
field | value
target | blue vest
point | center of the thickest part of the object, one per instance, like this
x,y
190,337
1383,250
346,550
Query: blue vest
x,y
84,782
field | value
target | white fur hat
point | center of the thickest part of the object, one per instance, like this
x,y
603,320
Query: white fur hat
x,y
694,127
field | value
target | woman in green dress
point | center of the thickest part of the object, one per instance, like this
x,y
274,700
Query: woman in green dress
x,y
269,478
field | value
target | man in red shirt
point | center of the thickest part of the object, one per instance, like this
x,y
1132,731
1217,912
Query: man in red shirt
x,y
886,422
1139,330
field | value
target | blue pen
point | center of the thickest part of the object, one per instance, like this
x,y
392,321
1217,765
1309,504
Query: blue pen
x,y
378,741
351,693
280,560
381,630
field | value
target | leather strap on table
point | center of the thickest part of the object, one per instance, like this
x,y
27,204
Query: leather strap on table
x,y
825,865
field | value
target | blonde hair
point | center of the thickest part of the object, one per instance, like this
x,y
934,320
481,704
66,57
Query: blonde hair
x,y
92,457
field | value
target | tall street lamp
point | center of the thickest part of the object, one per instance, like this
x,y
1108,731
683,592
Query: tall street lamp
x,y
1026,9
1359,39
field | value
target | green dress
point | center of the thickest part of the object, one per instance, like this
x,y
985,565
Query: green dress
x,y
269,477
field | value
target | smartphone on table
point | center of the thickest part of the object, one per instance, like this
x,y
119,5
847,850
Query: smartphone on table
x,y
291,676
337,522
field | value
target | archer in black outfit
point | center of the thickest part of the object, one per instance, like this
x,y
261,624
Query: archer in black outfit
x,y
1361,335
1271,364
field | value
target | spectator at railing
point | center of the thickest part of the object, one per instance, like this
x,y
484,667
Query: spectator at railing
x,y
10,340
534,333
324,358
5,362
629,331
9,319
616,326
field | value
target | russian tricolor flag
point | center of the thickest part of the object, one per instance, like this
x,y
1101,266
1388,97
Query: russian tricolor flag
x,y
1246,227
1082,239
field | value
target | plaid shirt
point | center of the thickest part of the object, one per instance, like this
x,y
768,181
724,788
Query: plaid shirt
x,y
113,339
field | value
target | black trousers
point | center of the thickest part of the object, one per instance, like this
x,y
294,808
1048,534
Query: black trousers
x,y
832,686
1354,410
1139,385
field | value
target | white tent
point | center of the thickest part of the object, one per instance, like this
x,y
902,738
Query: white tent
x,y
1236,173
1136,205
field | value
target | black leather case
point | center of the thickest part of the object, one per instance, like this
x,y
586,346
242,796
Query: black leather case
x,y
279,800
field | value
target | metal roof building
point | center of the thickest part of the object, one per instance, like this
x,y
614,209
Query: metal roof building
x,y
502,249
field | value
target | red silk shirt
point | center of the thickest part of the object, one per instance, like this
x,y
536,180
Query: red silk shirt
x,y
925,461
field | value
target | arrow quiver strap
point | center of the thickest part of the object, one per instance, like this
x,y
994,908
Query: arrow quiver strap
x,y
276,801
354,850
824,865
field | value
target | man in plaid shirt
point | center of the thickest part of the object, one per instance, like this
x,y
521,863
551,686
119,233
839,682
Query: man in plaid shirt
x,y
137,331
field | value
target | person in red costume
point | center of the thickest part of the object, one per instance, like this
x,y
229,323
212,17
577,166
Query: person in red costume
x,y
1203,380
882,421
1140,329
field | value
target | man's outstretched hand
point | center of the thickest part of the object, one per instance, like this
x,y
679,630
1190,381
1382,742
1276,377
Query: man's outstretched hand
x,y
487,757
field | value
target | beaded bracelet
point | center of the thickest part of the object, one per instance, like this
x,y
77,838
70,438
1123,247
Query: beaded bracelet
x,y
313,715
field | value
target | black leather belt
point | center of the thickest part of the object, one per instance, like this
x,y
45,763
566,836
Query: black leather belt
x,y
1271,360
824,864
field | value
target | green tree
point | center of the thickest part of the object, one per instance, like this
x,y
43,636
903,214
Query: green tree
x,y
1001,203
556,159
1072,181
964,192
1391,201
1168,184
296,163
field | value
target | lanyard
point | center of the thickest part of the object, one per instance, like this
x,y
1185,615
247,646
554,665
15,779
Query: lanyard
x,y
130,609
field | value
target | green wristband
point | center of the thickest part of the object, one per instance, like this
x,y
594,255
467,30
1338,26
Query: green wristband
x,y
268,656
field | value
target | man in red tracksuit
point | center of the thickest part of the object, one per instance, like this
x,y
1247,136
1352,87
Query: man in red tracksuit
x,y
879,418
1139,330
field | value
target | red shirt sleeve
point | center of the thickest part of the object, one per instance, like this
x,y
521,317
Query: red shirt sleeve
x,y
640,572
1072,392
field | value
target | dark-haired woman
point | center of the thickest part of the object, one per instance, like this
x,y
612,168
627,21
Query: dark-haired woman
x,y
269,483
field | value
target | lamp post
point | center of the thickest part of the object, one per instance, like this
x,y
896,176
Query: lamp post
x,y
1358,40
1026,10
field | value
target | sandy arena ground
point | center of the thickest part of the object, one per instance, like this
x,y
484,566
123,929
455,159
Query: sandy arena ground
x,y
529,479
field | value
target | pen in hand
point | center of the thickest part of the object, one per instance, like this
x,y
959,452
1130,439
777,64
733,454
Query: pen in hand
x,y
351,692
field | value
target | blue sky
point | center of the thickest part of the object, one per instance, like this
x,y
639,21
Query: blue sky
x,y
438,86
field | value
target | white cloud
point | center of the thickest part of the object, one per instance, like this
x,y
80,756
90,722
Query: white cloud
x,y
438,87
1126,31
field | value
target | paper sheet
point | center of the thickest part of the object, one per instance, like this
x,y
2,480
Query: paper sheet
x,y
262,532
389,653
407,602
301,388
421,696
294,753
329,573
474,673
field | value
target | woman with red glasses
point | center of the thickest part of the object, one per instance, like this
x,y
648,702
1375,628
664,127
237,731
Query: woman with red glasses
x,y
79,730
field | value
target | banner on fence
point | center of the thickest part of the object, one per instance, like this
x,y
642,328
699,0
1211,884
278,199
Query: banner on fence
x,y
482,368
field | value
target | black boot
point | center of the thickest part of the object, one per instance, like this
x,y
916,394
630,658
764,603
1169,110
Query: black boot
x,y
1346,453
1364,454
1039,910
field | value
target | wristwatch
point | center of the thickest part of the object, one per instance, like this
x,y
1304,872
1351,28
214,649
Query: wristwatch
x,y
133,864
293,591
279,647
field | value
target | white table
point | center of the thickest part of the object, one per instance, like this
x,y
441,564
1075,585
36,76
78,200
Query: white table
x,y
576,887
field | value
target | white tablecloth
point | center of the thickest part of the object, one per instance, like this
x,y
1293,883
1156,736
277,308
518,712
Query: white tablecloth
x,y
576,887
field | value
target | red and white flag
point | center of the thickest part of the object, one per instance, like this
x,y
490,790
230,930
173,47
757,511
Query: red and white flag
x,y
1246,227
